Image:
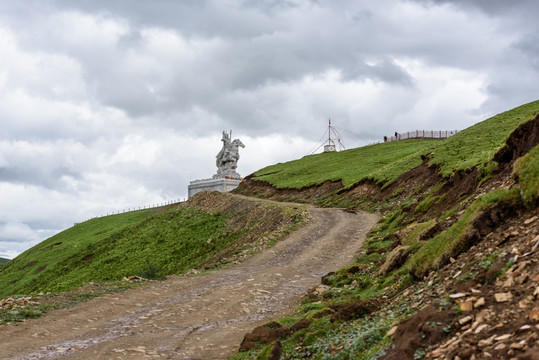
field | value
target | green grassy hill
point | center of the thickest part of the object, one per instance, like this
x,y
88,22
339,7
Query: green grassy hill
x,y
380,162
3,261
383,163
150,243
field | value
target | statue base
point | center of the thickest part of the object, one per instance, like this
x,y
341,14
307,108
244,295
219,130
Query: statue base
x,y
220,184
227,175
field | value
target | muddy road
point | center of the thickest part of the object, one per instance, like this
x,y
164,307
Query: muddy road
x,y
203,316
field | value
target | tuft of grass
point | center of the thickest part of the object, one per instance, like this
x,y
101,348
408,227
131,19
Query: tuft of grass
x,y
527,170
152,272
416,232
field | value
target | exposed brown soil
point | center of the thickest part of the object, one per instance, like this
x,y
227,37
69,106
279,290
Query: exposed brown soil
x,y
521,141
40,269
354,310
423,329
30,264
264,334
88,257
196,317
262,189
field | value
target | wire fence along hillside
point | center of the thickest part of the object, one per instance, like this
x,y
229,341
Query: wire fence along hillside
x,y
145,207
422,134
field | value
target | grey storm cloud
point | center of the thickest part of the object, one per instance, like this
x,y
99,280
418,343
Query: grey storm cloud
x,y
239,49
493,7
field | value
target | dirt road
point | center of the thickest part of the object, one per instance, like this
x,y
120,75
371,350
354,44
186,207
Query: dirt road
x,y
195,317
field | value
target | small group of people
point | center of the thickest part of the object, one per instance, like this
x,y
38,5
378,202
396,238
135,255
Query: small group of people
x,y
396,136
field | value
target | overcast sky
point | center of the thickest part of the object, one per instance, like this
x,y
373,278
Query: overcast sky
x,y
113,104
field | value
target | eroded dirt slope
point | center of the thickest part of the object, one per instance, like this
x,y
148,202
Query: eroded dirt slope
x,y
195,317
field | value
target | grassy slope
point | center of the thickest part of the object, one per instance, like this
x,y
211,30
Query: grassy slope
x,y
21,274
473,147
3,261
103,249
381,162
477,145
362,339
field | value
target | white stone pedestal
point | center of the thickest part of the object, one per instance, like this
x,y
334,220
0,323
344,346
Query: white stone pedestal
x,y
221,185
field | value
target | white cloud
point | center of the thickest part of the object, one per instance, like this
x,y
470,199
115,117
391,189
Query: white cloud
x,y
17,232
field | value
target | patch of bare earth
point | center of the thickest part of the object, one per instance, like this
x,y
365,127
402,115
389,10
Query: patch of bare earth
x,y
195,317
482,305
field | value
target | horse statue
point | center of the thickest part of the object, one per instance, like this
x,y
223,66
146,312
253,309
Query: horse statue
x,y
227,158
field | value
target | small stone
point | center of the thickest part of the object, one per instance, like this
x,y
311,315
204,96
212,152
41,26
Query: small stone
x,y
522,265
530,220
437,353
536,279
500,346
503,297
509,282
466,306
457,295
465,320
518,345
525,327
534,315
474,291
522,279
480,328
486,342
392,331
480,302
502,337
